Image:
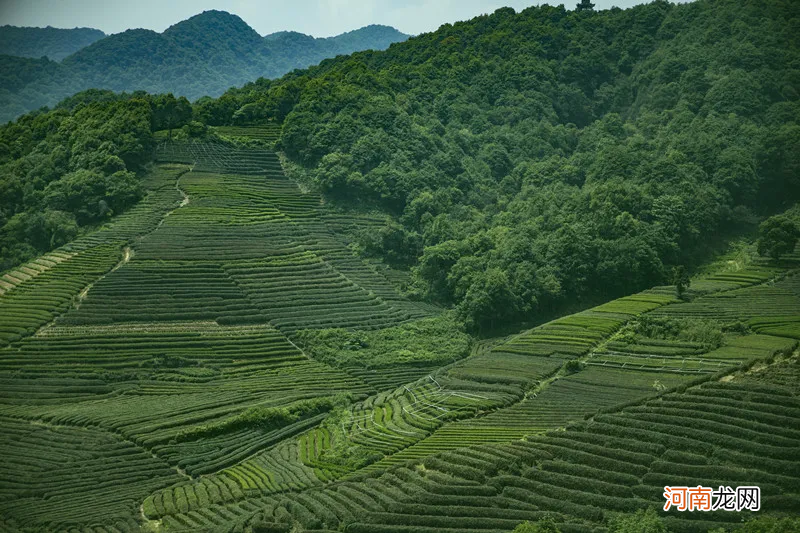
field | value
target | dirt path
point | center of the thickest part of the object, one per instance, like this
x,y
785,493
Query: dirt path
x,y
149,525
127,253
184,202
298,348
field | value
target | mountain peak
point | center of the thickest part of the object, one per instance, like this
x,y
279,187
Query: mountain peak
x,y
282,34
208,25
378,35
211,16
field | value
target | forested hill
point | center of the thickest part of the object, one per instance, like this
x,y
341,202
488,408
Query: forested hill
x,y
72,169
372,37
538,160
203,55
54,43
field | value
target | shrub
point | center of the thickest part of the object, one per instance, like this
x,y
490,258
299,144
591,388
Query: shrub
x,y
574,366
265,418
432,340
543,525
642,521
769,524
779,236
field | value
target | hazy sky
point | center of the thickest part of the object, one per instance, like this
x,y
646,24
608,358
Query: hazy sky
x,y
321,18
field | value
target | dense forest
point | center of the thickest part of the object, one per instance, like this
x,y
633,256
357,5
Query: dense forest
x,y
54,43
536,160
203,55
76,166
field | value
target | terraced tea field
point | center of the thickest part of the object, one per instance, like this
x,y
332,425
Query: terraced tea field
x,y
267,133
712,434
152,379
171,320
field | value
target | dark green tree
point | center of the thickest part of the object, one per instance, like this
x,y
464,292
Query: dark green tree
x,y
585,5
70,167
43,230
170,113
642,521
681,280
770,524
778,237
489,301
93,196
543,525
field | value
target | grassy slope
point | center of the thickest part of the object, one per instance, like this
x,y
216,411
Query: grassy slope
x,y
176,337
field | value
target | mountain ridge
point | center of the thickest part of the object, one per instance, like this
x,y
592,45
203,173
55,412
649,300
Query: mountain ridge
x,y
203,55
55,43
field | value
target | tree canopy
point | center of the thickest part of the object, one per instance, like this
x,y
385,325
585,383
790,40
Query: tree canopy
x,y
550,158
778,236
75,166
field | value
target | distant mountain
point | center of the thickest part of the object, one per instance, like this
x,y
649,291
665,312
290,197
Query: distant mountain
x,y
203,55
373,37
55,43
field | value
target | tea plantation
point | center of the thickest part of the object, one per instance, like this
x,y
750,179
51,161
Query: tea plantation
x,y
219,359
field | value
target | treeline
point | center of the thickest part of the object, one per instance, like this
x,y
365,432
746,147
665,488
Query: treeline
x,y
76,166
551,158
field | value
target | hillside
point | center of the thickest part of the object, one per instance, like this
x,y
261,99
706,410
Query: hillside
x,y
516,275
220,355
203,55
540,161
53,43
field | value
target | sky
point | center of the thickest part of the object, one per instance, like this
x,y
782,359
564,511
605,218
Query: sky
x,y
320,18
